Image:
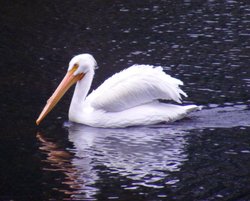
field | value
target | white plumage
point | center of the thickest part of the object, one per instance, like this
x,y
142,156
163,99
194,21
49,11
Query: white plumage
x,y
135,86
128,98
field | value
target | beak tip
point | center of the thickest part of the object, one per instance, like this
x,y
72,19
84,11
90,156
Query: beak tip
x,y
37,122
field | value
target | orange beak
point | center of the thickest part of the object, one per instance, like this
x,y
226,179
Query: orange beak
x,y
65,84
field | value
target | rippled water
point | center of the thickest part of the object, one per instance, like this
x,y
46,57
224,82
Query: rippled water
x,y
203,157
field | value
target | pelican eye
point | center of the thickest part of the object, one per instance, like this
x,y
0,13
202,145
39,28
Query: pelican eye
x,y
76,65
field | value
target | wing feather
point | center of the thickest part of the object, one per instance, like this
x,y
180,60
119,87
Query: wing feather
x,y
136,85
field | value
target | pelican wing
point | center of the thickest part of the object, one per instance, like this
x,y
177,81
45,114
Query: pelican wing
x,y
136,85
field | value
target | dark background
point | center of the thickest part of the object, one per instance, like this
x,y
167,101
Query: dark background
x,y
204,43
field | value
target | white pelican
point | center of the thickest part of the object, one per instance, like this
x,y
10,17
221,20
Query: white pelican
x,y
128,98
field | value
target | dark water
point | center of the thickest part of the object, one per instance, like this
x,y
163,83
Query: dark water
x,y
204,157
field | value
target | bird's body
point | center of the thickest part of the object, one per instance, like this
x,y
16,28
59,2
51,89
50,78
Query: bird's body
x,y
128,98
147,114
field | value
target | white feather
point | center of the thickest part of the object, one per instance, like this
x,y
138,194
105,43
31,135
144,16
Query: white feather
x,y
134,86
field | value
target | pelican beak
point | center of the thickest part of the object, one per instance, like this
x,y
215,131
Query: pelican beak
x,y
65,84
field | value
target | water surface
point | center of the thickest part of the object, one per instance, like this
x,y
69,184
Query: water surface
x,y
203,157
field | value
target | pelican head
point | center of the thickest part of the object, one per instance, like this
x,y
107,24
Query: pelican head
x,y
82,63
79,66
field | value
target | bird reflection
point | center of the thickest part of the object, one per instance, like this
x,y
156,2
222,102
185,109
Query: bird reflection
x,y
143,155
61,161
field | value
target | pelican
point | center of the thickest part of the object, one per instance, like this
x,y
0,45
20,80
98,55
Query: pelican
x,y
128,98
